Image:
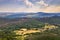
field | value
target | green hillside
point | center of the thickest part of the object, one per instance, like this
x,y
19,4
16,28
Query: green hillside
x,y
7,29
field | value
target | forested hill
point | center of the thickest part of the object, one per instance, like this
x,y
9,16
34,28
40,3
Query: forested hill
x,y
11,18
51,20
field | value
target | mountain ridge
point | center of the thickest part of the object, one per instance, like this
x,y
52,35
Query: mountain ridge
x,y
29,15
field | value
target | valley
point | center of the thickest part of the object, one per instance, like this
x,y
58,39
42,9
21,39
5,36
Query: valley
x,y
30,28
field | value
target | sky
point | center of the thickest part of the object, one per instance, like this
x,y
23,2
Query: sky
x,y
29,5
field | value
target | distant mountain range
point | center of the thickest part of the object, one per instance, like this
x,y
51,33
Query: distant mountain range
x,y
28,15
16,18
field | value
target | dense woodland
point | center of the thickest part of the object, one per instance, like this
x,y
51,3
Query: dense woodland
x,y
8,27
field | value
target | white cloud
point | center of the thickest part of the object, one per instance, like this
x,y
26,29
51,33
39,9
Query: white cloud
x,y
42,4
32,7
28,3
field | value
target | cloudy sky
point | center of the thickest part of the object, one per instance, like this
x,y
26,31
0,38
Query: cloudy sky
x,y
29,5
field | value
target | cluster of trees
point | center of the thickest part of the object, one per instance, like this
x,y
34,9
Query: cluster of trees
x,y
29,24
53,34
6,32
7,35
51,20
46,36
